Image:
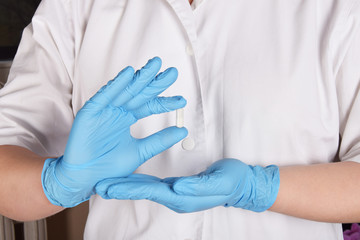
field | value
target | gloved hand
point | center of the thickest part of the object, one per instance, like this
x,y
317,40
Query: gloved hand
x,y
228,182
100,144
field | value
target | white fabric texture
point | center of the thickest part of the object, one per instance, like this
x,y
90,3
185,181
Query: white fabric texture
x,y
266,82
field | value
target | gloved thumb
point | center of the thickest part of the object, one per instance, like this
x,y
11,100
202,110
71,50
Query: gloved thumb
x,y
160,141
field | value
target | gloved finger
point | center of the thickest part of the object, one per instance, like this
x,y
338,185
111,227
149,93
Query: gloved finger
x,y
207,184
160,141
159,105
158,191
108,92
102,187
140,80
135,187
161,82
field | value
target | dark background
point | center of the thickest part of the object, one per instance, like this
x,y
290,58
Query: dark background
x,y
15,15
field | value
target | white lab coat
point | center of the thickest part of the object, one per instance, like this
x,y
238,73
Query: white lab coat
x,y
267,82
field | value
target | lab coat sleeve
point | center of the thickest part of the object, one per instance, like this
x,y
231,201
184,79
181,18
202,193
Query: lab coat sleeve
x,y
348,89
35,102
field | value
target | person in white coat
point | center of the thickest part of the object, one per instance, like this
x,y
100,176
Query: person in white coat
x,y
268,84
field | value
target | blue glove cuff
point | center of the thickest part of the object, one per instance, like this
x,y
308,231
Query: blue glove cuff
x,y
264,185
55,191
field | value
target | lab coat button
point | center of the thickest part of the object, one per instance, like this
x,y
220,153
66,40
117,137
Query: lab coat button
x,y
189,50
188,144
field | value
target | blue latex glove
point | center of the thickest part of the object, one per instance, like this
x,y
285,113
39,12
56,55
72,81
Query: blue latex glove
x,y
228,182
100,144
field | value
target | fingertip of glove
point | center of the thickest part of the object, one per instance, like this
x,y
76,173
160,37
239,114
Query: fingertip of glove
x,y
167,77
183,186
101,190
126,71
155,62
172,71
178,188
170,103
116,192
157,59
181,101
110,194
177,134
182,132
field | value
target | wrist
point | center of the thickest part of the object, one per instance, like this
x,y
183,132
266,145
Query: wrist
x,y
261,189
54,188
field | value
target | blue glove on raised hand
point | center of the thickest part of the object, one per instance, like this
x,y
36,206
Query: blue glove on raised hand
x,y
100,144
228,182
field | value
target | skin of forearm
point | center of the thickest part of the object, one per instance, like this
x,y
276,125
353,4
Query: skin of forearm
x,y
21,194
322,192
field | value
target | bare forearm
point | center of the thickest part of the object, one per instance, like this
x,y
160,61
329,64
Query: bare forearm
x,y
21,194
323,192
